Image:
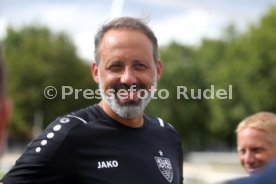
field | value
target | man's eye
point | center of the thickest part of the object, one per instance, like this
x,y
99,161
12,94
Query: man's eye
x,y
241,151
115,67
257,150
140,66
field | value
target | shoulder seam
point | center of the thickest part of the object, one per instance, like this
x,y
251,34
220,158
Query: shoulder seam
x,y
161,122
85,122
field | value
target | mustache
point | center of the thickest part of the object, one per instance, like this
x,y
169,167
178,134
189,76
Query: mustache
x,y
134,86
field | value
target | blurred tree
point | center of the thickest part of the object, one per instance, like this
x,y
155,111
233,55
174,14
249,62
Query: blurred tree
x,y
37,58
186,114
247,62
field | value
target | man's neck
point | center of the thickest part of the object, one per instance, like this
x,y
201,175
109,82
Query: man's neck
x,y
133,122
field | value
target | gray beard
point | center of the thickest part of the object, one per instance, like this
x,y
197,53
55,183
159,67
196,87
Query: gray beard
x,y
127,111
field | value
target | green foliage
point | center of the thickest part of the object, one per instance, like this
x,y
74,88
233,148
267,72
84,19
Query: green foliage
x,y
246,61
37,58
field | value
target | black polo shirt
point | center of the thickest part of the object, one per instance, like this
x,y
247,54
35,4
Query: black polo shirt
x,y
88,147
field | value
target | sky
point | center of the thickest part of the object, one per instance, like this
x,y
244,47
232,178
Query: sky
x,y
184,21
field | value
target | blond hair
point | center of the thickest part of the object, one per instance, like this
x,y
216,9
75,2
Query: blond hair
x,y
264,121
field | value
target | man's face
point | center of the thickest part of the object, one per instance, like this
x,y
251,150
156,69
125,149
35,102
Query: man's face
x,y
255,149
126,71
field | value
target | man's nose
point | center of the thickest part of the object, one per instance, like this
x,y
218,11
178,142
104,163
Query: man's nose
x,y
249,157
128,76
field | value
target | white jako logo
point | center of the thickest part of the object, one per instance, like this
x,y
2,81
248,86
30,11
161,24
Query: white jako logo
x,y
165,167
108,164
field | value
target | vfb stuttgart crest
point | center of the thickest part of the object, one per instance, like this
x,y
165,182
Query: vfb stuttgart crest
x,y
165,167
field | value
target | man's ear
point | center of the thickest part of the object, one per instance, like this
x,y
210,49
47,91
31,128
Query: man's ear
x,y
159,69
95,72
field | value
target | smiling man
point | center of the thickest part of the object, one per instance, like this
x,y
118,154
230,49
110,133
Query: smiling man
x,y
256,141
112,142
126,60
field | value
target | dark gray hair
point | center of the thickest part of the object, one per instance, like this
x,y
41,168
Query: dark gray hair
x,y
126,23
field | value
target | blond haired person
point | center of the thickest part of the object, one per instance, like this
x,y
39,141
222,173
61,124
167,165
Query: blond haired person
x,y
256,141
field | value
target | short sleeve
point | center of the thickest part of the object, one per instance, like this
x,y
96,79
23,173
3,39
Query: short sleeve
x,y
48,158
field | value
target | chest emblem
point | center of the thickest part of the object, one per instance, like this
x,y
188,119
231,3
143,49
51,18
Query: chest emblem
x,y
165,167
